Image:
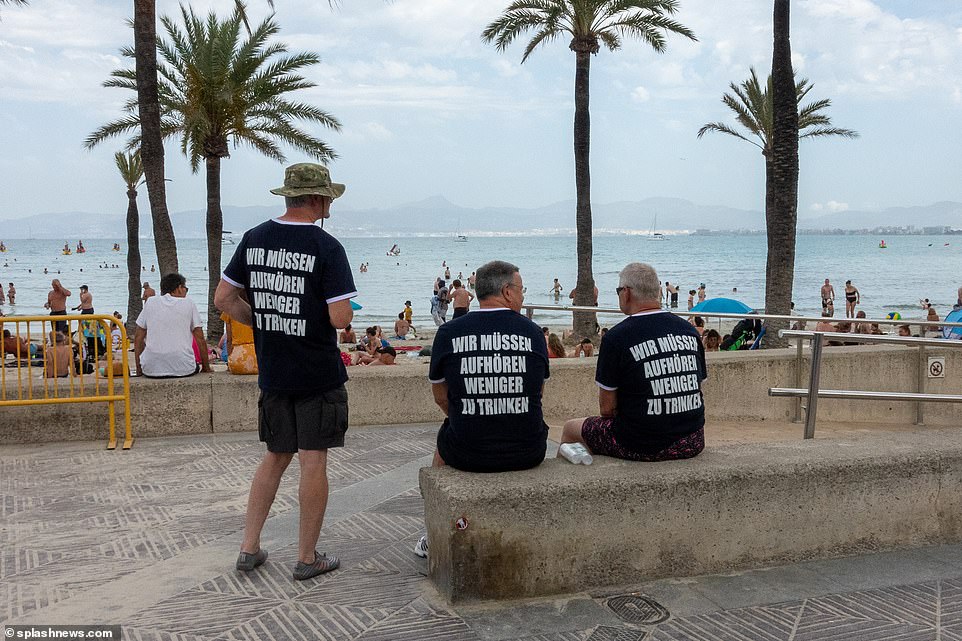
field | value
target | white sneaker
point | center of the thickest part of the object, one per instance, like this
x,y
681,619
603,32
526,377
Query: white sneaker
x,y
421,547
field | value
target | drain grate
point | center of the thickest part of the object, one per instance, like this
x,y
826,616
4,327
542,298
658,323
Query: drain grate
x,y
609,633
634,608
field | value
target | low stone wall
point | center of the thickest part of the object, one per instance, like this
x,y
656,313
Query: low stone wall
x,y
562,528
736,390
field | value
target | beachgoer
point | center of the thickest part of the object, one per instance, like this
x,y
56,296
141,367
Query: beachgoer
x,y
932,331
649,374
473,278
828,299
384,356
556,288
494,421
547,332
699,324
671,294
555,348
153,270
823,325
167,329
86,305
861,328
904,330
924,303
148,292
711,339
691,299
742,336
18,346
408,315
852,298
401,328
439,304
304,405
58,358
2,296
12,295
348,335
447,273
585,347
57,303
460,299
701,293
116,337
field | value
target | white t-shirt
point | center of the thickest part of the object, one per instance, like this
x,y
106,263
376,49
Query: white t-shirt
x,y
169,350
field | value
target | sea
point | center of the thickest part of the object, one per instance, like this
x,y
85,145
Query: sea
x,y
890,280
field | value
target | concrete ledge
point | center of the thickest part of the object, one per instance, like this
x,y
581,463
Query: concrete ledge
x,y
563,528
736,390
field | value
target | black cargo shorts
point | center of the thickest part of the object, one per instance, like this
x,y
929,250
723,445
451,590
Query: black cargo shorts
x,y
303,421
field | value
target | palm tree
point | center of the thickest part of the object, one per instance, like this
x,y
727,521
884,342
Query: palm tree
x,y
131,169
151,139
755,110
781,197
216,89
20,3
589,24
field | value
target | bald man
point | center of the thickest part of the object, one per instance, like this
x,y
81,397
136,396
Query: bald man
x,y
57,303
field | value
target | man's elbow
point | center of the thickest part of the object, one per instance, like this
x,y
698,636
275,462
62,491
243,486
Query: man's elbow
x,y
341,319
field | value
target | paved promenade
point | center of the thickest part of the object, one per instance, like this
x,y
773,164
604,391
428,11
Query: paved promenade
x,y
147,539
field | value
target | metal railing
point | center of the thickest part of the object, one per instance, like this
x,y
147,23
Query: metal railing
x,y
813,392
530,310
60,355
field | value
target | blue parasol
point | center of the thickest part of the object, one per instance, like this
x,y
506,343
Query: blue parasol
x,y
356,306
955,316
722,306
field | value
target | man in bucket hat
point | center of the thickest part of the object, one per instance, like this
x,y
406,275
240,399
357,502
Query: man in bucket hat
x,y
291,281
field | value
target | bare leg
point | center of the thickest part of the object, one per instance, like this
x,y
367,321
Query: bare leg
x,y
312,496
263,489
572,432
438,461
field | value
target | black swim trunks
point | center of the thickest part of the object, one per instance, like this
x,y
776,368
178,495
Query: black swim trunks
x,y
302,421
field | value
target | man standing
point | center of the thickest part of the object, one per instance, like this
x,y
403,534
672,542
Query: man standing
x,y
86,305
828,299
460,299
167,329
148,292
649,373
56,303
299,284
487,372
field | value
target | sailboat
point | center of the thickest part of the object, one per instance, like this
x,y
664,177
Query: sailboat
x,y
655,235
459,237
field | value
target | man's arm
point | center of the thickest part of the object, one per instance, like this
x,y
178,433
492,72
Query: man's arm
x,y
340,312
140,341
227,298
608,402
440,391
202,347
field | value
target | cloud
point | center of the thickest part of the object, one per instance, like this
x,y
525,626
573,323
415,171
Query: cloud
x,y
832,206
640,94
368,131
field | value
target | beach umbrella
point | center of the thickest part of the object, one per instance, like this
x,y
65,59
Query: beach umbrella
x,y
955,316
722,306
356,306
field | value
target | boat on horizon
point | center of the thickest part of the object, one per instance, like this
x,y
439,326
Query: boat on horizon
x,y
655,235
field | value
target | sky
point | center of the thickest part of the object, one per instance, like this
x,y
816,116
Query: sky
x,y
429,109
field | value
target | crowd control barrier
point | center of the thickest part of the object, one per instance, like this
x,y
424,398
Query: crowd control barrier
x,y
51,360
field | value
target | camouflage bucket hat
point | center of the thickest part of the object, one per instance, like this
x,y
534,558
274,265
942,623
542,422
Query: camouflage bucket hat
x,y
306,178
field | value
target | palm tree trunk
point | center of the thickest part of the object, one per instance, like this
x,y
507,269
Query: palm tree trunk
x,y
215,233
134,302
584,324
152,144
781,190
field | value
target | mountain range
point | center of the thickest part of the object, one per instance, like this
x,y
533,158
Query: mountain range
x,y
438,216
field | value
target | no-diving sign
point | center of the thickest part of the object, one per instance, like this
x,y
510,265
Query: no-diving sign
x,y
936,367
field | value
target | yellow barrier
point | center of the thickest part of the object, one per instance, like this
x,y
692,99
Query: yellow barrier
x,y
68,345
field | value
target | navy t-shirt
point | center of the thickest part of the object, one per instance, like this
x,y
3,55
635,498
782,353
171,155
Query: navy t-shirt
x,y
292,272
656,363
495,364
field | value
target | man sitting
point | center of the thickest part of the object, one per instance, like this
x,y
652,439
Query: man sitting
x,y
401,328
487,372
166,331
649,370
58,359
17,346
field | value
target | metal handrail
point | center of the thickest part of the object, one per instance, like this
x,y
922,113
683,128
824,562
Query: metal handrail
x,y
530,309
813,392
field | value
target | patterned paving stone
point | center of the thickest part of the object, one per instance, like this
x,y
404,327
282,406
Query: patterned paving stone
x,y
15,559
611,633
407,624
308,622
745,624
917,604
408,503
363,589
376,527
204,613
155,544
130,633
18,599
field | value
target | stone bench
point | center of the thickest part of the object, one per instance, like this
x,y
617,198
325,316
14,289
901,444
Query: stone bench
x,y
563,528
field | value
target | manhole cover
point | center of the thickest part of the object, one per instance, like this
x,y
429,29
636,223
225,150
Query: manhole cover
x,y
638,609
609,633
